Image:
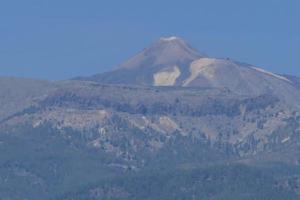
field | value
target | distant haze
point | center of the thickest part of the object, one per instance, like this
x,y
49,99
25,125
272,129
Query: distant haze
x,y
64,39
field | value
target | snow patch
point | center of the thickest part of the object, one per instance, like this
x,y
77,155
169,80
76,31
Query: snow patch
x,y
169,38
271,74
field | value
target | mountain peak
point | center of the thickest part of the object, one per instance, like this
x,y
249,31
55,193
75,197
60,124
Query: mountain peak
x,y
167,51
174,40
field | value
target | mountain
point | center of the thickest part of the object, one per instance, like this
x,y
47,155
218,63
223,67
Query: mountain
x,y
17,94
294,79
166,53
170,123
173,62
84,140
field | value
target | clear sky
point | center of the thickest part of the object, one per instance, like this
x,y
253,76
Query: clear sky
x,y
60,39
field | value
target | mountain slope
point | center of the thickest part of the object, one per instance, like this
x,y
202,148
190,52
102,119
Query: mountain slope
x,y
234,182
172,62
83,135
17,94
294,79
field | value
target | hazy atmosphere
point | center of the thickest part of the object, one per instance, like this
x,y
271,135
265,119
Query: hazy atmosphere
x,y
149,100
61,39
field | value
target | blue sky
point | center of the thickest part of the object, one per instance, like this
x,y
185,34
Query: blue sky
x,y
60,39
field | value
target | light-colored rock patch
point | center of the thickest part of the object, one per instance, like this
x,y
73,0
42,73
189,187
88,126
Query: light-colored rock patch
x,y
201,66
209,132
77,119
285,140
156,145
161,124
152,125
96,143
166,78
168,124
